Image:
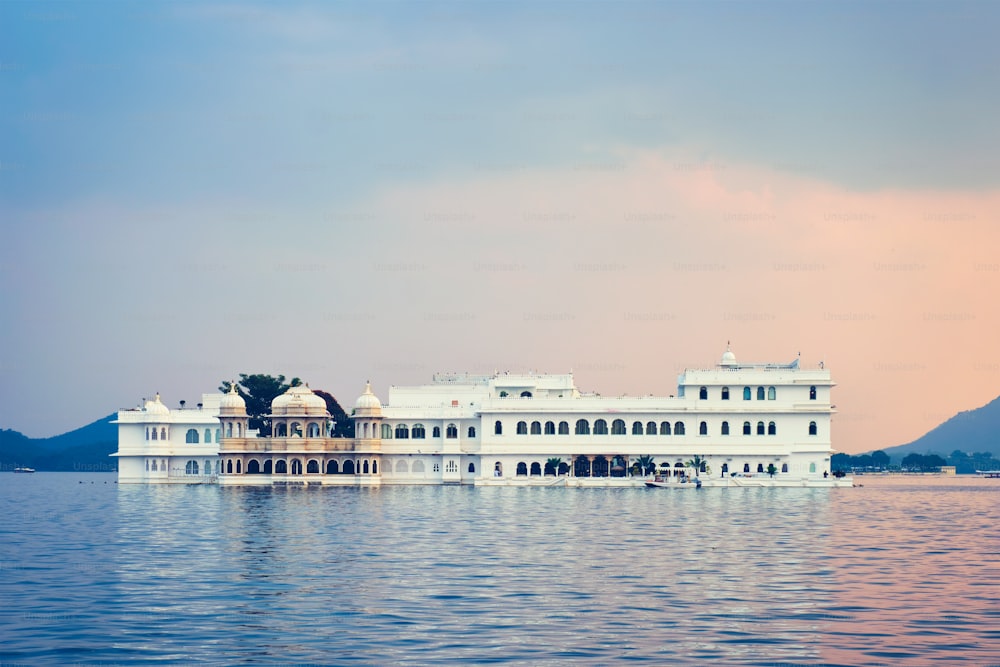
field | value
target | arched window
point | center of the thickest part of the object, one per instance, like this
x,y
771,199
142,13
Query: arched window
x,y
451,432
760,393
522,428
374,467
163,433
703,428
281,430
703,393
472,468
155,432
295,430
760,428
402,467
522,468
208,436
651,428
812,393
267,466
191,468
280,467
771,393
207,468
312,430
497,428
784,467
618,427
550,428
253,467
349,467
296,467
238,430
725,393
525,394
218,434
386,432
725,428
536,469
760,467
312,466
812,428
402,432
600,427
746,393
239,465
536,428
746,467
812,467
772,429
418,432
563,428
472,431
582,427
436,432
746,428
679,428
364,467
147,433
332,467
664,428
636,428
725,469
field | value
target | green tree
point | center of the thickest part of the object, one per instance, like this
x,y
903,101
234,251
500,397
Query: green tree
x,y
698,464
258,391
771,469
643,465
880,460
343,426
553,464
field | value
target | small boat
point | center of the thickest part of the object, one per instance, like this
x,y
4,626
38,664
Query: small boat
x,y
24,470
665,483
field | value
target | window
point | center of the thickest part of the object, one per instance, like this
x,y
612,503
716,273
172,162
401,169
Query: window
x,y
374,467
522,468
229,466
703,428
536,428
725,393
451,467
147,433
582,427
155,432
746,428
563,428
436,432
812,428
600,427
497,428
812,393
651,428
191,468
208,436
525,394
312,430
760,467
418,432
772,429
784,467
760,428
746,393
218,434
550,428
760,393
771,393
281,430
239,465
664,428
725,428
812,467
472,468
472,431
451,432
436,467
402,432
386,432
522,428
618,427
703,393
679,428
295,430
312,466
636,428
536,469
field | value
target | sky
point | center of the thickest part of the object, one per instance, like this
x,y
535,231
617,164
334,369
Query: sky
x,y
379,191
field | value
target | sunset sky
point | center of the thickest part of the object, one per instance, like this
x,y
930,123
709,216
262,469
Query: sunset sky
x,y
353,191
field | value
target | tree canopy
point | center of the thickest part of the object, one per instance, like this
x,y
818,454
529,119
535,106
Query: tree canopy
x,y
343,426
258,391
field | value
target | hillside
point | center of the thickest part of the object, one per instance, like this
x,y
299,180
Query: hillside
x,y
970,431
85,449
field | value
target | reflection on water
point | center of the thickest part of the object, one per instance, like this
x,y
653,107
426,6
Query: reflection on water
x,y
892,572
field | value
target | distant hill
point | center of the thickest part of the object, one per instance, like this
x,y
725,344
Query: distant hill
x,y
970,431
85,449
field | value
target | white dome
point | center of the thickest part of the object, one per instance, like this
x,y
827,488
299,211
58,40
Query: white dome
x,y
368,400
298,400
728,358
232,401
155,407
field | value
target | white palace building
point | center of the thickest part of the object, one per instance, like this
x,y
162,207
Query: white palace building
x,y
747,424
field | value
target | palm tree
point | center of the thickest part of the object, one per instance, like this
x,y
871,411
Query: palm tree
x,y
553,463
771,469
698,464
644,464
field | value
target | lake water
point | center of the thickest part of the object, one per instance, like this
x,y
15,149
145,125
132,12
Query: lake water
x,y
898,571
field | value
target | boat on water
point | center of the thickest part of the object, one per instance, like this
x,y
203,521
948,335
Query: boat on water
x,y
989,474
665,483
24,470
